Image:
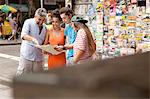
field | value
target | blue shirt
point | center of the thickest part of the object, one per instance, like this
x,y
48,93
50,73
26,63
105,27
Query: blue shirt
x,y
71,34
28,51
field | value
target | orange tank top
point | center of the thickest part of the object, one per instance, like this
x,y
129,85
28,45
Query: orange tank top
x,y
56,61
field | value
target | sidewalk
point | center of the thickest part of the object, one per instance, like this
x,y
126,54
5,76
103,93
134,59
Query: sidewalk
x,y
6,42
6,92
7,73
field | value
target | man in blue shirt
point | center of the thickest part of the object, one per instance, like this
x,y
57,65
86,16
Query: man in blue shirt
x,y
66,15
33,33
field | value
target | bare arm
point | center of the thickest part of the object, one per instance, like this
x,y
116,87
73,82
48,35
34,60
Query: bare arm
x,y
30,38
66,40
78,56
46,38
67,45
27,37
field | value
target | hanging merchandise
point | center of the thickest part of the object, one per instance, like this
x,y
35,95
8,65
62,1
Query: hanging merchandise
x,y
91,11
131,21
99,23
112,20
118,11
120,27
81,9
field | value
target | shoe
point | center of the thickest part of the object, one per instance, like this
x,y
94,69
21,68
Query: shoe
x,y
8,40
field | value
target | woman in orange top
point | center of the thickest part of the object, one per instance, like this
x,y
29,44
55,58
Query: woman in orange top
x,y
55,36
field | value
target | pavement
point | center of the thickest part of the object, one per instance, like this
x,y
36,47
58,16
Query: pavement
x,y
11,42
6,90
7,71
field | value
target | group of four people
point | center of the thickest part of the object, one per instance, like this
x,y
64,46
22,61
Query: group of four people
x,y
76,38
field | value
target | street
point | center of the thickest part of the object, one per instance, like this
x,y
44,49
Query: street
x,y
9,57
8,63
9,60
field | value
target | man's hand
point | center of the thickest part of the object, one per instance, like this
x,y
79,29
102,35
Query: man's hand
x,y
30,38
68,46
35,41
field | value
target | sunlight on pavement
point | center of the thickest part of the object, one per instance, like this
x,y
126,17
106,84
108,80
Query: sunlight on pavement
x,y
9,57
18,58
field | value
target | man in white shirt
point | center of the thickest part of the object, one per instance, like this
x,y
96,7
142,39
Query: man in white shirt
x,y
33,33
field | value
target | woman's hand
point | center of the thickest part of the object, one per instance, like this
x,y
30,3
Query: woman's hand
x,y
59,48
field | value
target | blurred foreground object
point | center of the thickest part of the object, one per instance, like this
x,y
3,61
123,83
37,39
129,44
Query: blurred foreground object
x,y
119,78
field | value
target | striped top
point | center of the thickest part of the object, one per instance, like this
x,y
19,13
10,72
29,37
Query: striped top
x,y
81,43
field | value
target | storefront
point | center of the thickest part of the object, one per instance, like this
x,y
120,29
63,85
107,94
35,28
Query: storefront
x,y
118,26
53,4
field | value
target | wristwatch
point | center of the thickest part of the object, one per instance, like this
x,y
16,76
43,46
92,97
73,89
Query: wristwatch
x,y
64,48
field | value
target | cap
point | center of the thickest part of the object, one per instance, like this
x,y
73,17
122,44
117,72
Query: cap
x,y
78,19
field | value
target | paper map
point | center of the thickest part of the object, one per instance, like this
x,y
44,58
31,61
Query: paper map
x,y
49,49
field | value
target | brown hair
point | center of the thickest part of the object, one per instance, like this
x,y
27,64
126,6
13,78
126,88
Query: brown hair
x,y
91,43
56,14
49,11
66,10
